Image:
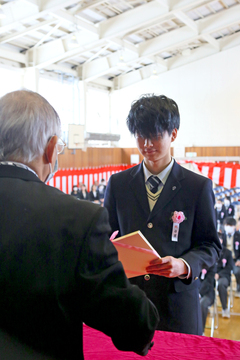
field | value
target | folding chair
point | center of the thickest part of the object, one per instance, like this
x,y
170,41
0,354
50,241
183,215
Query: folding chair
x,y
213,313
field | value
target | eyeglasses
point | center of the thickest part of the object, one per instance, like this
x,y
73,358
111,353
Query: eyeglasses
x,y
60,146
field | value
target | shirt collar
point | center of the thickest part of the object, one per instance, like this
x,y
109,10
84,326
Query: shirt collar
x,y
20,165
163,175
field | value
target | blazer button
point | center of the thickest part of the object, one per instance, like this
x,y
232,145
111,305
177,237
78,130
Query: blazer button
x,y
147,277
195,278
150,225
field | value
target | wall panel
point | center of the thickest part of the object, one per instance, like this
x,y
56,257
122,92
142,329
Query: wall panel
x,y
93,157
215,150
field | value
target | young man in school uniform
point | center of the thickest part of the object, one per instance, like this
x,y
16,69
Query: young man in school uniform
x,y
173,208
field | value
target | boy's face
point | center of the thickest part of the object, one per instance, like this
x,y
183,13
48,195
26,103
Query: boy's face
x,y
157,148
230,229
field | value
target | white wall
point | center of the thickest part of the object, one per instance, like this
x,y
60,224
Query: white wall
x,y
207,93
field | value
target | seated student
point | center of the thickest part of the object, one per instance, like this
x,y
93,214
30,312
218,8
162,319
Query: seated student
x,y
231,240
83,194
206,291
75,192
220,211
223,275
94,194
101,190
230,211
79,186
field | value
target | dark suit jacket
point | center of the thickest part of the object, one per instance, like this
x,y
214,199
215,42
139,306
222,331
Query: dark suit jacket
x,y
207,287
81,197
198,242
220,215
230,211
92,197
57,271
236,244
225,271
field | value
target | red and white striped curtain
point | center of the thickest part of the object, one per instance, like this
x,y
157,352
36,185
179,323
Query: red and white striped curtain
x,y
64,179
222,174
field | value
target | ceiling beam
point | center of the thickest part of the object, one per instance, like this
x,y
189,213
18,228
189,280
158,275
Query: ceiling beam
x,y
211,40
219,20
186,20
132,19
81,24
12,55
28,30
16,12
62,69
202,52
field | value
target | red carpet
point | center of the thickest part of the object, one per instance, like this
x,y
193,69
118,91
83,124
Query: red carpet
x,y
167,346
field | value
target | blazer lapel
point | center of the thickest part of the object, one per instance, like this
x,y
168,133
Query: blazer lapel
x,y
137,185
170,190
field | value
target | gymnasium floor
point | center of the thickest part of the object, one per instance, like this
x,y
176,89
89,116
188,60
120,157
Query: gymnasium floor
x,y
227,328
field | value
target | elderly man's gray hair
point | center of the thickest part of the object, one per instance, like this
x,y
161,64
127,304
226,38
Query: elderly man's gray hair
x,y
27,122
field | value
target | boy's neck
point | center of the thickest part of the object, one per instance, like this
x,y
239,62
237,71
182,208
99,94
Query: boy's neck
x,y
156,167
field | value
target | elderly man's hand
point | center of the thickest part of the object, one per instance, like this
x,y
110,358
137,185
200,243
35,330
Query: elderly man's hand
x,y
144,352
167,266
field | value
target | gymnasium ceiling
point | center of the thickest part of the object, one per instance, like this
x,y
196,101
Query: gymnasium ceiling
x,y
115,43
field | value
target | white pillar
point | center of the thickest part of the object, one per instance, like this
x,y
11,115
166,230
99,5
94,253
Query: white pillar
x,y
30,79
83,102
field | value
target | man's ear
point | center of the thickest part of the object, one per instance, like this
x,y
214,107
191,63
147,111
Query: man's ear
x,y
51,147
174,134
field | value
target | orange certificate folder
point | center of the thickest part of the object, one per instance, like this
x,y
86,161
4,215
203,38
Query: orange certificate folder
x,y
135,252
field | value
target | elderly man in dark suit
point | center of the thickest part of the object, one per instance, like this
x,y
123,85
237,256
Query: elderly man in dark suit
x,y
173,208
56,271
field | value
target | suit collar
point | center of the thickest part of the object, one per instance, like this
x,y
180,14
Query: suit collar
x,y
18,173
137,185
169,191
163,175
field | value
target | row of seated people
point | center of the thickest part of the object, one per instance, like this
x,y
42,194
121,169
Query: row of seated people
x,y
226,202
220,193
221,272
96,194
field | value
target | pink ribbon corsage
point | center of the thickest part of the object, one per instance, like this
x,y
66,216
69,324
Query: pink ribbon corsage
x,y
204,271
177,218
224,261
236,245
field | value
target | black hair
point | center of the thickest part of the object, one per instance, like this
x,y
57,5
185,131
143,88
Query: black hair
x,y
152,115
229,221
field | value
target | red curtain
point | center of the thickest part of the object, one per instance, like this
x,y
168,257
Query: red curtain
x,y
64,179
222,174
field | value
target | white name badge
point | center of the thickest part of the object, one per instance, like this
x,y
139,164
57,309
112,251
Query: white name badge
x,y
175,231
